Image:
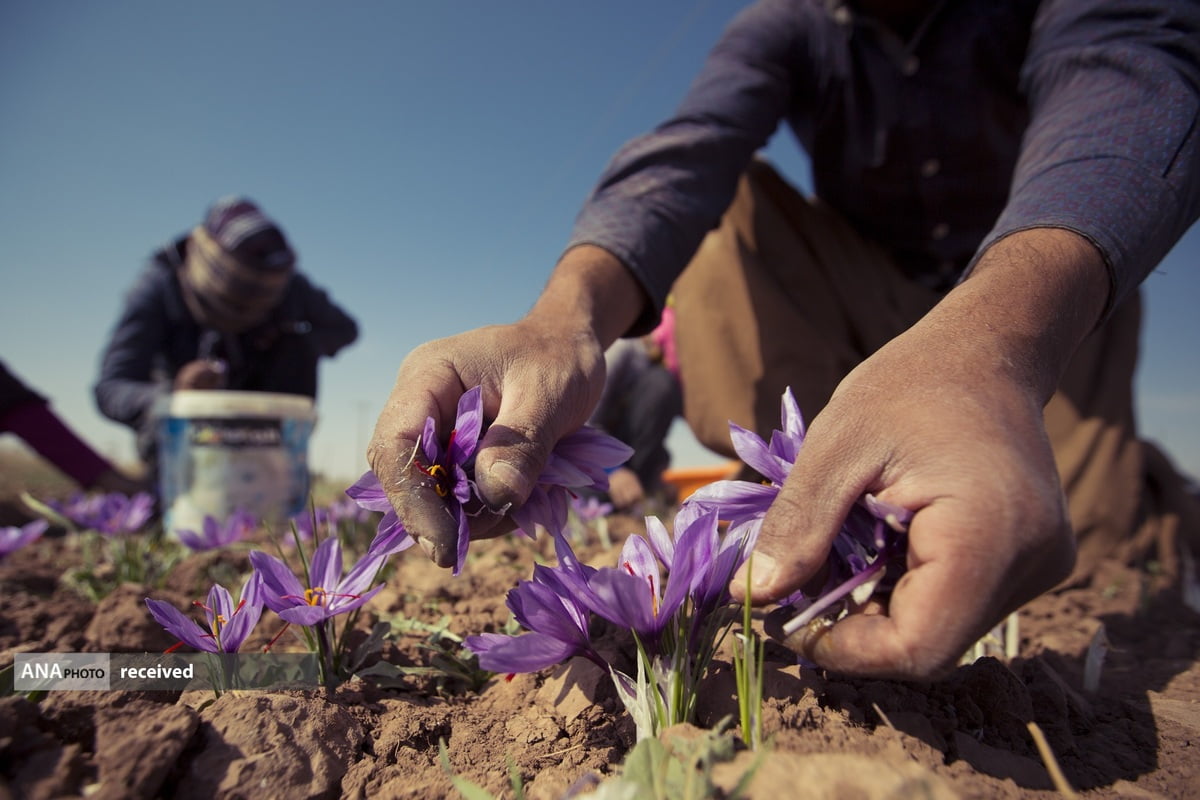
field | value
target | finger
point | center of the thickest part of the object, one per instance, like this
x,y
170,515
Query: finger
x,y
514,450
800,526
936,611
395,457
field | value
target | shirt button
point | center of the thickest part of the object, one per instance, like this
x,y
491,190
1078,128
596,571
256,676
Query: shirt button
x,y
910,66
940,231
930,167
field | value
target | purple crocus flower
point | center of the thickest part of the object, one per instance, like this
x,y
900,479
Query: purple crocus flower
x,y
871,543
580,460
110,514
698,564
216,534
446,469
739,501
345,509
390,535
549,608
228,624
14,538
590,508
328,594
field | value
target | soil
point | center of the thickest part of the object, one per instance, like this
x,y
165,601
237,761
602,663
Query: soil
x,y
1136,736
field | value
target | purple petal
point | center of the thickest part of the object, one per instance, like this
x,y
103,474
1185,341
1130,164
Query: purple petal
x,y
561,472
239,625
468,423
660,540
755,452
344,604
325,569
304,615
538,607
429,443
594,452
462,485
219,604
361,574
180,626
897,517
13,538
639,560
390,536
368,493
528,652
735,501
192,540
626,601
281,588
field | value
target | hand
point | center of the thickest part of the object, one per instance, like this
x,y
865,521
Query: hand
x,y
945,420
625,489
203,373
541,378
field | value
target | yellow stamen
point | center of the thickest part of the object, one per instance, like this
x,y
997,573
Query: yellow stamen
x,y
438,473
314,596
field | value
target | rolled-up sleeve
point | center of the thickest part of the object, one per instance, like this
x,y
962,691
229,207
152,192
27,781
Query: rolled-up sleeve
x,y
1112,148
662,192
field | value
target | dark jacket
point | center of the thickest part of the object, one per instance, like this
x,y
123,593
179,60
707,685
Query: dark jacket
x,y
155,336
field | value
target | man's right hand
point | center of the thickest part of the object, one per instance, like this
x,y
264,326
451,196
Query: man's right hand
x,y
541,377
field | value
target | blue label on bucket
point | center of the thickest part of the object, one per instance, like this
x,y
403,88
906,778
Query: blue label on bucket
x,y
236,432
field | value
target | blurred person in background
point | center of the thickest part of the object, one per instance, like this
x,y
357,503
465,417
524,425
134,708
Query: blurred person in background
x,y
222,307
26,414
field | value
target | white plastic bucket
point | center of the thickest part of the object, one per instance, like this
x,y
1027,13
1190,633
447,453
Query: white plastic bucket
x,y
219,452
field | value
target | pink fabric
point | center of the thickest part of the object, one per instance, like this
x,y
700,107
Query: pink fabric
x,y
664,337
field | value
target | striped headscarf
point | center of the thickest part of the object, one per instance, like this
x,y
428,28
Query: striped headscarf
x,y
237,267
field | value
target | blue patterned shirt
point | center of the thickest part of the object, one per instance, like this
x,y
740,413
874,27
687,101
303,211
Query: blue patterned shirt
x,y
993,117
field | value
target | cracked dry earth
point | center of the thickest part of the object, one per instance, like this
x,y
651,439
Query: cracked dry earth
x,y
1138,736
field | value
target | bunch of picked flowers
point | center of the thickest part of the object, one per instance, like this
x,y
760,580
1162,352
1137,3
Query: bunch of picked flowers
x,y
869,552
580,460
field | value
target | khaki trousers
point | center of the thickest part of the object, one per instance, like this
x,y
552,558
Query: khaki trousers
x,y
784,292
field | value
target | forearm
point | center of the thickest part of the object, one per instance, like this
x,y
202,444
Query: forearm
x,y
1029,302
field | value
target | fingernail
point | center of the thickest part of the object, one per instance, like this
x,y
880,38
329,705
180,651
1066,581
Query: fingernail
x,y
505,473
428,547
762,569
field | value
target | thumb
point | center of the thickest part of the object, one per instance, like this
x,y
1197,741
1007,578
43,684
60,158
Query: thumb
x,y
800,526
516,447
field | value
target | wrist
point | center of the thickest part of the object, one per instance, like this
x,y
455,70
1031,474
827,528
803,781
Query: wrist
x,y
1030,301
590,293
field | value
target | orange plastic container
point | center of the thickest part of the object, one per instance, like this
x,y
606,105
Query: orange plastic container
x,y
687,480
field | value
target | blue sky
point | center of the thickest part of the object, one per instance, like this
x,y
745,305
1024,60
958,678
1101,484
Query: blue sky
x,y
425,159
